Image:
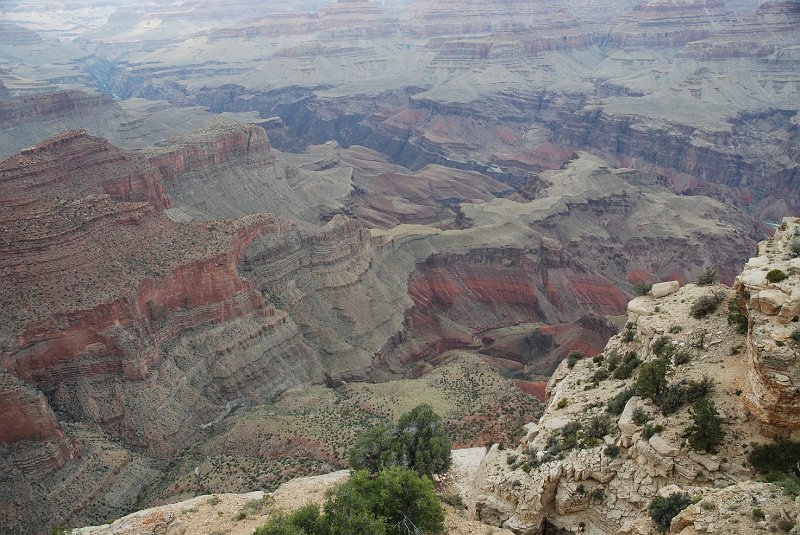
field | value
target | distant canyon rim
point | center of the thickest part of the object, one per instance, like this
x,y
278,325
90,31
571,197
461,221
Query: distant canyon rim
x,y
206,206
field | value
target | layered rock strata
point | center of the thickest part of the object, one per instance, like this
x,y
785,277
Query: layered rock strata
x,y
605,484
772,305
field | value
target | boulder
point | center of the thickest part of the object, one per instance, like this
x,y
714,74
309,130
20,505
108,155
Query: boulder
x,y
662,289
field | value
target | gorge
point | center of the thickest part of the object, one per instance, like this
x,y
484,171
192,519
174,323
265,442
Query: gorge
x,y
211,210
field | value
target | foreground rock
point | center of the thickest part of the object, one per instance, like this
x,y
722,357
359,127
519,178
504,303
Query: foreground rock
x,y
606,484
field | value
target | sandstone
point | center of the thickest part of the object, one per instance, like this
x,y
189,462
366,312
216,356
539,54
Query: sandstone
x,y
641,306
663,447
663,289
771,301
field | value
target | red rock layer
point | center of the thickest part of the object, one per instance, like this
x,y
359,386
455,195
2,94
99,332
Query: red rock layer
x,y
47,105
94,285
73,164
457,297
222,140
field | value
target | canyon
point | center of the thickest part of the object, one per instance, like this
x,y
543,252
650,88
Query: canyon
x,y
207,207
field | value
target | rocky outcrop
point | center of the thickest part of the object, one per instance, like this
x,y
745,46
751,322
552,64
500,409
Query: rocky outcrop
x,y
771,28
73,164
604,481
670,24
772,305
47,106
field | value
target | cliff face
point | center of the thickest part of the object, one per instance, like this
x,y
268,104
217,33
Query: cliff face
x,y
14,110
605,484
108,304
772,309
667,24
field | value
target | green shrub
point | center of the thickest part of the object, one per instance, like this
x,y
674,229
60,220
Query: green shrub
x,y
652,380
454,500
649,430
776,275
662,346
707,277
784,524
627,366
574,357
735,317
598,426
396,501
782,455
617,404
678,394
612,450
703,306
642,288
628,335
795,335
308,518
758,514
563,402
282,524
597,495
372,449
794,247
640,416
675,329
600,375
680,357
663,510
705,433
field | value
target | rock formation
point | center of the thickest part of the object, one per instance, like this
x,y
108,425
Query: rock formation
x,y
604,484
772,307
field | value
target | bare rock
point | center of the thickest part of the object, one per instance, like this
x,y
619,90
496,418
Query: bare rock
x,y
663,289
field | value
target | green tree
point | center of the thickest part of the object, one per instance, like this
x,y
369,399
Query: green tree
x,y
421,442
372,449
705,433
395,497
652,380
418,442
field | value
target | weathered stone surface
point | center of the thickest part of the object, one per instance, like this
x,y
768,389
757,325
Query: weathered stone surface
x,y
663,447
663,289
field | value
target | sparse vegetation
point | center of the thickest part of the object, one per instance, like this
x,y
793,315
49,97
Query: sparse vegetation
x,y
703,306
616,405
649,430
736,318
642,288
678,394
663,510
627,366
640,416
707,277
574,357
